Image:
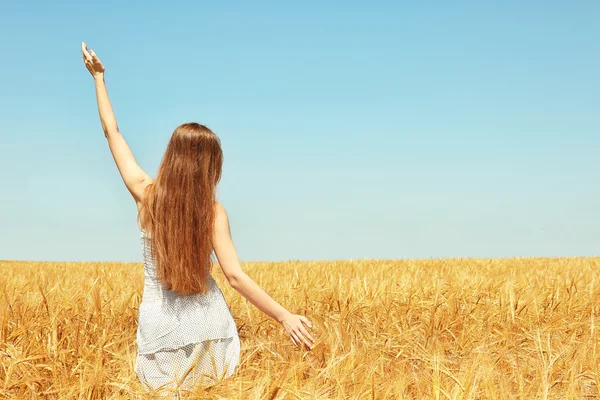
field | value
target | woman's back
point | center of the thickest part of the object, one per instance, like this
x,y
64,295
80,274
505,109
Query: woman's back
x,y
173,329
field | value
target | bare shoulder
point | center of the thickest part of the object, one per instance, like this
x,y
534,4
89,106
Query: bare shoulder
x,y
221,219
219,208
220,212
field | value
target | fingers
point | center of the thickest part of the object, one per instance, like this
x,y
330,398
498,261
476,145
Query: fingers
x,y
303,330
293,339
306,321
86,55
306,342
299,334
308,335
301,339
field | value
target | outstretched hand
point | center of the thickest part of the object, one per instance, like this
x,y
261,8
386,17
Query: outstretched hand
x,y
292,324
92,62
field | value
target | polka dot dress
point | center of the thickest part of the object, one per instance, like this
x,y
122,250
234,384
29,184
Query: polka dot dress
x,y
183,339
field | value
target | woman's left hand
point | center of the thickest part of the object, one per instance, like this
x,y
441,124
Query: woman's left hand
x,y
92,62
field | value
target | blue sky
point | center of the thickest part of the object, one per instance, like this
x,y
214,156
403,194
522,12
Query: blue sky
x,y
350,129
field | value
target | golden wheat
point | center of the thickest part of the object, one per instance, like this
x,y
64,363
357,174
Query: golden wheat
x,y
430,329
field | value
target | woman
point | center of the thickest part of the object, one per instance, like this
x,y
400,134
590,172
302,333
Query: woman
x,y
185,327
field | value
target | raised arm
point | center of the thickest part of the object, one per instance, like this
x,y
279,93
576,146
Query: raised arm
x,y
133,176
242,283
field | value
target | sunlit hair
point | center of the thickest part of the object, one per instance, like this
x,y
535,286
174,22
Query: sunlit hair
x,y
179,211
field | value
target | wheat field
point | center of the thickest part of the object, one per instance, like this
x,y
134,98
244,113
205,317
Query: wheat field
x,y
432,329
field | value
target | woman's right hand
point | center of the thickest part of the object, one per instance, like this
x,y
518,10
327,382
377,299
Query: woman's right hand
x,y
292,323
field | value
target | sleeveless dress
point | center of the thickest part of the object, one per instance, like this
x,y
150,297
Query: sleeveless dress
x,y
182,338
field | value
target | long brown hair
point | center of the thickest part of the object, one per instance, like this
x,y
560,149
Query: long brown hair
x,y
179,208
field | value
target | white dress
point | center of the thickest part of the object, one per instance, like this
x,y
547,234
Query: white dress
x,y
183,338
